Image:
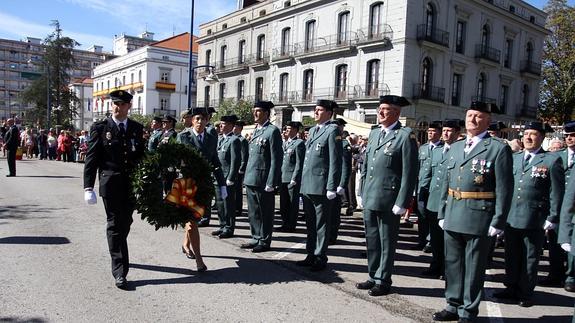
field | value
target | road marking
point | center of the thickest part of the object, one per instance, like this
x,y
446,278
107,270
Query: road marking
x,y
289,250
493,309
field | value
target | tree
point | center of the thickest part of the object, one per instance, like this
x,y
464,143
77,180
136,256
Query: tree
x,y
57,61
557,92
241,108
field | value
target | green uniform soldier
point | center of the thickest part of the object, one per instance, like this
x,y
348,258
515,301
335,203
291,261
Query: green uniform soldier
x,y
168,135
294,154
239,126
477,198
320,179
436,175
263,174
343,183
156,134
566,236
538,193
230,155
424,155
389,178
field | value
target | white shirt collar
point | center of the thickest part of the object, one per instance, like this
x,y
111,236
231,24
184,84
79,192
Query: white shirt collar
x,y
531,153
388,129
125,122
198,134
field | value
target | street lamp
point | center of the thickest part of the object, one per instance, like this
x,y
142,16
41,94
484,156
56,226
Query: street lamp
x,y
48,103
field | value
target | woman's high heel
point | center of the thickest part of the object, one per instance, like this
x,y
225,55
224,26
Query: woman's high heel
x,y
188,254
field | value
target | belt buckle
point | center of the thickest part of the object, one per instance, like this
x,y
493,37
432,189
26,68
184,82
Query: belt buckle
x,y
457,195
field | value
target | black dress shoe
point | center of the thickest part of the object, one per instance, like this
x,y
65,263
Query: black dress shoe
x,y
248,245
189,254
368,284
225,235
525,303
550,282
202,269
427,248
217,232
318,266
445,315
121,282
260,248
203,223
464,320
307,262
379,290
432,273
506,294
10,175
570,287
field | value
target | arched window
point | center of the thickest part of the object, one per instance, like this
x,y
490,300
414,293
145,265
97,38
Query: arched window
x,y
426,76
525,95
207,96
308,85
343,27
223,53
283,87
208,58
259,88
309,35
261,47
375,19
341,81
372,84
529,52
429,20
140,76
241,89
485,37
285,46
241,51
481,84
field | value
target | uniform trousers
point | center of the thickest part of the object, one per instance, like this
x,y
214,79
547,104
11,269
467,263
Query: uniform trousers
x,y
335,218
522,251
289,205
318,221
239,185
381,231
119,218
261,207
227,209
11,157
557,257
437,243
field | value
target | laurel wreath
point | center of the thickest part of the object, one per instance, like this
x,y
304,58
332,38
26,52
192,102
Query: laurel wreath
x,y
166,161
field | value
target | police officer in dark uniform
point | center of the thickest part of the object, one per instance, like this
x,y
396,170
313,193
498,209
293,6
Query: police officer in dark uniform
x,y
11,142
115,147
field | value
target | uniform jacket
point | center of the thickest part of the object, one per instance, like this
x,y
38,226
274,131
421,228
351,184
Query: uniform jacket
x,y
12,138
230,155
436,174
564,154
208,149
245,146
154,140
568,216
423,180
292,164
265,157
474,216
345,164
538,190
322,163
389,171
167,136
114,157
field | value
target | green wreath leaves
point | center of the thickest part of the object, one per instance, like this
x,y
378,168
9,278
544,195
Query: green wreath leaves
x,y
147,181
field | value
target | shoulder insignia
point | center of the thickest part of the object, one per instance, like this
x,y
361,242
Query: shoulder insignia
x,y
375,126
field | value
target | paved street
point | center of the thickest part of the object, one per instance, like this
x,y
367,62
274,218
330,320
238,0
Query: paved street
x,y
55,267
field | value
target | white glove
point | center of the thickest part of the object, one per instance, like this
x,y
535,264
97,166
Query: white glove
x,y
268,189
340,191
229,183
494,231
331,195
420,206
566,247
440,223
549,225
241,172
292,184
398,210
90,197
223,192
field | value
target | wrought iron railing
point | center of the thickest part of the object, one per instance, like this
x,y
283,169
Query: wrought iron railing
x,y
530,67
433,35
427,92
488,53
375,33
326,43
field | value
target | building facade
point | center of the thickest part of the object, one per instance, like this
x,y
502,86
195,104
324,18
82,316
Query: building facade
x,y
156,75
82,88
440,54
17,72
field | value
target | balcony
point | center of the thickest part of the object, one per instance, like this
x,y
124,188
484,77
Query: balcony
x,y
162,112
371,91
255,60
231,64
326,45
283,53
128,87
484,99
531,67
525,111
379,35
431,93
488,53
165,86
433,35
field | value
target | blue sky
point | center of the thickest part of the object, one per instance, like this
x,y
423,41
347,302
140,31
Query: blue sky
x,y
97,21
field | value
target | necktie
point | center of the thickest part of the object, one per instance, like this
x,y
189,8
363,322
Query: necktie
x,y
526,160
445,149
122,129
382,134
201,138
468,145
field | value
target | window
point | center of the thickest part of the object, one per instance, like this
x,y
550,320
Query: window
x,y
131,78
525,95
504,98
481,84
512,9
343,27
165,76
460,37
243,20
261,47
208,58
426,77
241,51
164,103
485,37
222,94
207,96
287,4
262,13
308,85
341,81
259,88
116,82
139,76
529,52
224,26
123,80
139,105
241,89
223,52
285,42
429,20
372,85
456,89
209,32
375,19
108,84
283,87
309,35
508,53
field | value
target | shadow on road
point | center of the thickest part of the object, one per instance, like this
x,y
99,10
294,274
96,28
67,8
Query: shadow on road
x,y
34,240
48,176
23,212
13,319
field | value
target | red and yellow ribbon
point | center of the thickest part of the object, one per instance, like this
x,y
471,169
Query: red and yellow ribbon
x,y
182,194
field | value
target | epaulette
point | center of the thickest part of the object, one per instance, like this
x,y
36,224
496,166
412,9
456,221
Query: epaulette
x,y
374,126
518,153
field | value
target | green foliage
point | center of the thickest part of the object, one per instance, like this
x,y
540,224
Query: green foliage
x,y
146,120
241,108
557,91
168,160
58,60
